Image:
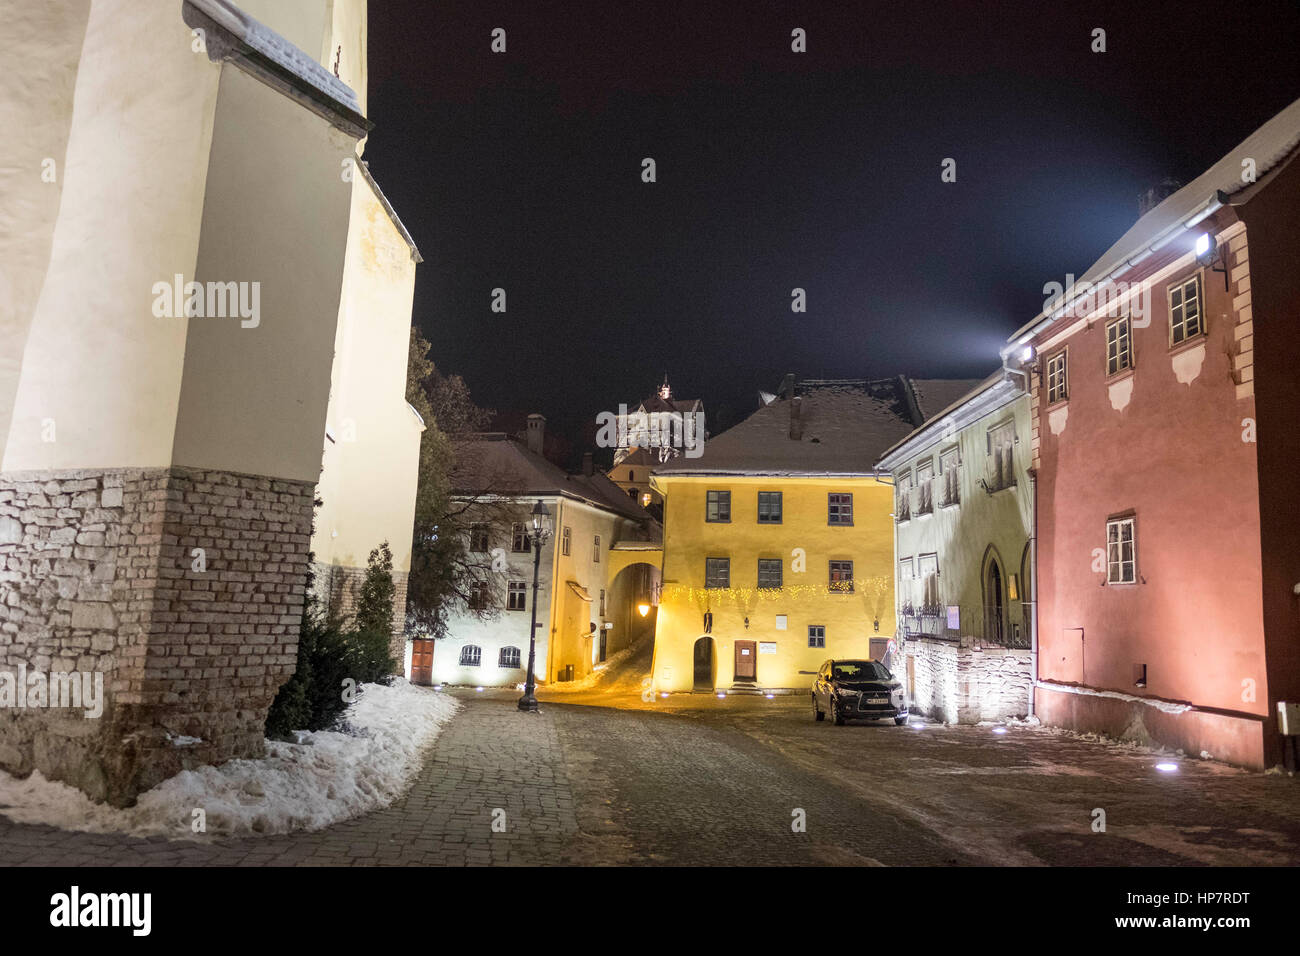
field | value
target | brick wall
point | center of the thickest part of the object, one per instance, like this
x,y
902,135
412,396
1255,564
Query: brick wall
x,y
962,683
337,588
183,587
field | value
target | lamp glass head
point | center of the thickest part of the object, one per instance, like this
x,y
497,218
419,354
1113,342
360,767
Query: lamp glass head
x,y
541,519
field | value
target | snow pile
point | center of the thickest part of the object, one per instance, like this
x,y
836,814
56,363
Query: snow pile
x,y
326,777
598,674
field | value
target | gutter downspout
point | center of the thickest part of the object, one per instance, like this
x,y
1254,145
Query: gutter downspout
x,y
1033,587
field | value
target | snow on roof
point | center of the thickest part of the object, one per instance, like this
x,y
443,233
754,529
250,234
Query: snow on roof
x,y
1267,147
844,430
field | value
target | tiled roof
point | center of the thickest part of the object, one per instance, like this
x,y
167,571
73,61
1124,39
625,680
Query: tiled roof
x,y
844,431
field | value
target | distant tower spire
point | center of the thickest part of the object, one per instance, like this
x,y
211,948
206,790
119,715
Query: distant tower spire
x,y
665,390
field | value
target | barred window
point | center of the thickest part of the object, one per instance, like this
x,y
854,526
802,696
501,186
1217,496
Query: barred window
x,y
841,576
1121,552
470,655
595,549
717,572
516,596
1119,346
903,497
816,635
927,566
1058,388
839,509
769,572
718,506
1002,455
925,487
566,541
769,507
1185,318
509,657
950,473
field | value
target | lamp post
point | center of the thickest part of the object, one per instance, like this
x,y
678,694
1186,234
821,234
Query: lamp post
x,y
541,530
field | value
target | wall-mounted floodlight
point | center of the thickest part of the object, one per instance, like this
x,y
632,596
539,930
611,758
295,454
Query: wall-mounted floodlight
x,y
1205,249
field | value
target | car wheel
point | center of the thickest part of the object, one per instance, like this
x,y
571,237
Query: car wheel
x,y
817,711
899,721
836,716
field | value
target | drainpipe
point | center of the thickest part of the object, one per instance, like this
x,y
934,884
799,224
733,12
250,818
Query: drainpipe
x,y
1033,588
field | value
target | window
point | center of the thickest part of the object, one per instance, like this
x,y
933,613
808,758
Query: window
x,y
470,655
769,572
925,487
478,537
509,657
816,635
903,502
566,542
1058,389
1002,459
479,596
839,509
631,475
717,572
595,549
950,472
769,507
515,596
905,578
1119,346
841,578
631,493
927,567
520,543
1121,552
602,602
1185,321
719,506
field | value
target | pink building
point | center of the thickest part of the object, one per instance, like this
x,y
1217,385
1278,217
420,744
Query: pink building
x,y
1165,406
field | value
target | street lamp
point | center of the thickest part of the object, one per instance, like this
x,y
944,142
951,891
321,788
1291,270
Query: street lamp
x,y
541,530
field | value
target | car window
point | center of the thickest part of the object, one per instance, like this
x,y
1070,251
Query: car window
x,y
860,670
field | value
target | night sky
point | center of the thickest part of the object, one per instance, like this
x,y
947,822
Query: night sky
x,y
779,170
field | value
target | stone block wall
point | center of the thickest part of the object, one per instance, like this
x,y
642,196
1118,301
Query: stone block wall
x,y
183,587
965,683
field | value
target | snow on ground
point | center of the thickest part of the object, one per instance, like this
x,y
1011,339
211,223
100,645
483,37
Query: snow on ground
x,y
605,675
328,776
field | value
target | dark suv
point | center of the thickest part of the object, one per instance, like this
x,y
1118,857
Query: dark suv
x,y
857,690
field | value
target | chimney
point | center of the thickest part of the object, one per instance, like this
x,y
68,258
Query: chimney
x,y
787,386
796,418
588,466
1157,194
536,432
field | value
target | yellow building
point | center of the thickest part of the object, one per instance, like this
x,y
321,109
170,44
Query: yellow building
x,y
778,541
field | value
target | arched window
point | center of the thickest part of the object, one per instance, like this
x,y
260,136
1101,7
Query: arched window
x,y
470,655
994,602
509,657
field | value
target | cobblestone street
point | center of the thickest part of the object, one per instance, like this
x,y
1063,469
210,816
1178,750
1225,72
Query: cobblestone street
x,y
695,780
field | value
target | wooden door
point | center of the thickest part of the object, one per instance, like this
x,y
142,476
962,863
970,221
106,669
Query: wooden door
x,y
422,662
746,664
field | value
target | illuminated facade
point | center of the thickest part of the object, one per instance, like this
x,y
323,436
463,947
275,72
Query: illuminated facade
x,y
601,562
964,568
170,336
778,542
1164,442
